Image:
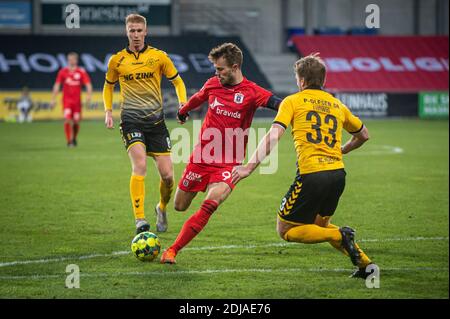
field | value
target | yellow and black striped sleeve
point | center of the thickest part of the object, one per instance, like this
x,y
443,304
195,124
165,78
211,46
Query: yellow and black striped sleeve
x,y
285,113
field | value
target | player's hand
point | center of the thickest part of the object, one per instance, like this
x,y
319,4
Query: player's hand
x,y
52,104
109,122
182,118
240,172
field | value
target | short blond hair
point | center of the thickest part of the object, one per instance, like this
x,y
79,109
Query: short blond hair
x,y
311,69
135,18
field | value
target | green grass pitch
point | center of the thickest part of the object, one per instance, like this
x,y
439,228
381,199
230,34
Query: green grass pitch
x,y
63,206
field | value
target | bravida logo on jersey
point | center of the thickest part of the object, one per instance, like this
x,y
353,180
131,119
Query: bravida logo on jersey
x,y
238,98
215,103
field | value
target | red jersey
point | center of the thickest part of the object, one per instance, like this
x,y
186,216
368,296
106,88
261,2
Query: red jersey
x,y
224,133
72,82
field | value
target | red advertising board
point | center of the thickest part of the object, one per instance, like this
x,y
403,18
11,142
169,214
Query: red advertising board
x,y
381,63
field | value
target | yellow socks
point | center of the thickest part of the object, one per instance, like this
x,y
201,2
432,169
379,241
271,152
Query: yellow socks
x,y
137,192
313,234
165,191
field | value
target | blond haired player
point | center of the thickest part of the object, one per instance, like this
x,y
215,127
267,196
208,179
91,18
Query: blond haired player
x,y
139,69
317,120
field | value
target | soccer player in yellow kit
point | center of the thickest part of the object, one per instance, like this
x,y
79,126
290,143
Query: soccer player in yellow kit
x,y
317,120
139,68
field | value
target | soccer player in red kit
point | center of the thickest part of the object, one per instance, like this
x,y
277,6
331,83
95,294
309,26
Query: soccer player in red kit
x,y
232,101
72,79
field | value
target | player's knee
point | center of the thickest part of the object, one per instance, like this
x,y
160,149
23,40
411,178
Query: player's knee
x,y
180,206
282,234
140,167
282,231
167,179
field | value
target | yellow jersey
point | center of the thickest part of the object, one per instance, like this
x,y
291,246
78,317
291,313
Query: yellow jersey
x,y
139,75
317,119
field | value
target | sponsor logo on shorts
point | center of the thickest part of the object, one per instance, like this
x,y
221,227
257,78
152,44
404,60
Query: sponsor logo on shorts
x,y
191,176
133,135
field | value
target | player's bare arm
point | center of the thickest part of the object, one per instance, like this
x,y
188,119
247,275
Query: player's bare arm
x,y
356,141
264,148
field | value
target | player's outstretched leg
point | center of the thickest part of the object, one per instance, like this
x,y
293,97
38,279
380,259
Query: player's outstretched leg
x,y
312,234
362,261
191,228
355,253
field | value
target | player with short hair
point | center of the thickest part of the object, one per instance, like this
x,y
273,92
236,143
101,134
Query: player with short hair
x,y
139,69
72,78
232,101
317,120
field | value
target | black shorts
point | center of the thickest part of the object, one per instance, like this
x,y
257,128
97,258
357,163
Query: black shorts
x,y
156,138
312,194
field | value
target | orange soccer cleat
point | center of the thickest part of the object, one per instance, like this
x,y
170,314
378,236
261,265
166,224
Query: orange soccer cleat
x,y
168,257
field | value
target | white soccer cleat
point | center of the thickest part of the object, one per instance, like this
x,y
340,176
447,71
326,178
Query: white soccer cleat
x,y
142,225
161,219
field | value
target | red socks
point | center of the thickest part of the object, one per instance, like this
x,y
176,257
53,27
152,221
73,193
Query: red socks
x,y
68,131
71,131
194,224
76,128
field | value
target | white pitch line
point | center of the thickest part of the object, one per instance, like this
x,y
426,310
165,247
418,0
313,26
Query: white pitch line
x,y
211,272
382,150
126,252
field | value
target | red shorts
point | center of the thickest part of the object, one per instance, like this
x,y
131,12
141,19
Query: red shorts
x,y
72,111
196,177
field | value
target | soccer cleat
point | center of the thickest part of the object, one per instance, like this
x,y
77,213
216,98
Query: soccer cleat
x,y
74,142
348,243
141,226
70,144
168,257
360,273
161,219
